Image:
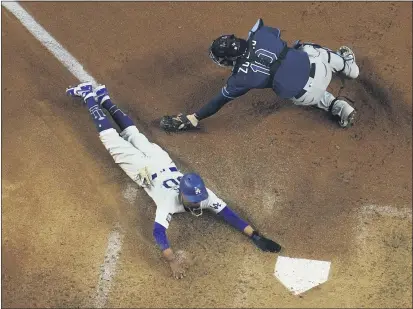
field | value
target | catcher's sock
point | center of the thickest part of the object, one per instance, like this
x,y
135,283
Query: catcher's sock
x,y
99,118
121,119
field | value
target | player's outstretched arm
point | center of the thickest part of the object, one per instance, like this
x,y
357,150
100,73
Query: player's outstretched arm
x,y
183,122
212,107
263,243
176,264
235,88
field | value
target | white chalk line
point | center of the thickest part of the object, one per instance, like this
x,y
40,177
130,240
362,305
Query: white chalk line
x,y
108,268
388,211
130,193
49,42
240,298
367,211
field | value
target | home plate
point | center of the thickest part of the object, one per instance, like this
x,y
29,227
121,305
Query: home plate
x,y
300,275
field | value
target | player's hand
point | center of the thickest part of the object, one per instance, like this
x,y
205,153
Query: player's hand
x,y
178,269
144,177
265,244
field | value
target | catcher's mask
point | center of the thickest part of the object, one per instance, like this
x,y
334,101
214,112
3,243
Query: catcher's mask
x,y
192,191
225,50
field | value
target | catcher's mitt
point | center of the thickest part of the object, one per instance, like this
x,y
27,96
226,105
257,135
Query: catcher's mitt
x,y
179,122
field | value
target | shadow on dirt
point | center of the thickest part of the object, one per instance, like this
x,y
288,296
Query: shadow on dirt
x,y
373,101
378,104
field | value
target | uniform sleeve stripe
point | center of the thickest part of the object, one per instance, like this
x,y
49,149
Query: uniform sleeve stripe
x,y
224,91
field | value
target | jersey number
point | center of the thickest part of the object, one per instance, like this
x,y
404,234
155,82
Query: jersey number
x,y
256,66
172,183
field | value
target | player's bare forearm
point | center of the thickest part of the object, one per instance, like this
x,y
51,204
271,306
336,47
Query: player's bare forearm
x,y
168,254
248,230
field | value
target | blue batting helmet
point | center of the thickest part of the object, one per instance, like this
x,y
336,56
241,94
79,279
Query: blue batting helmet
x,y
193,188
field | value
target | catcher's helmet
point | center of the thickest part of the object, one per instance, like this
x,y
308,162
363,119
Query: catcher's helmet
x,y
225,50
192,187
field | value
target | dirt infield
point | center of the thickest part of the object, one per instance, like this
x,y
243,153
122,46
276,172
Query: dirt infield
x,y
323,192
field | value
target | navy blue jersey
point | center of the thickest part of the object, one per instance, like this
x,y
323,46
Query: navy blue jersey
x,y
266,44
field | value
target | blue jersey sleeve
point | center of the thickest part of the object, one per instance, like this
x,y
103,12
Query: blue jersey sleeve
x,y
212,107
236,86
159,233
233,219
274,31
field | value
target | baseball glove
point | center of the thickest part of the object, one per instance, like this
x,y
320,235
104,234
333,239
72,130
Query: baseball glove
x,y
265,244
179,122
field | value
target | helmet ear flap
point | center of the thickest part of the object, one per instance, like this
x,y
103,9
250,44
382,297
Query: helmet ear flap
x,y
217,60
226,49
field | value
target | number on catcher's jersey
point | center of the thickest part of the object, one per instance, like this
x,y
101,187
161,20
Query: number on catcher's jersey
x,y
255,66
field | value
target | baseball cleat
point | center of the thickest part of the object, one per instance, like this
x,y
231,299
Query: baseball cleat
x,y
347,53
80,90
101,91
101,94
348,121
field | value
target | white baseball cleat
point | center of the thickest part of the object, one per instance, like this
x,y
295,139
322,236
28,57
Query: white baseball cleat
x,y
344,111
347,114
80,90
348,121
350,69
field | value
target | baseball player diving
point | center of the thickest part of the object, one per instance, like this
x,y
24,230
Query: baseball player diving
x,y
300,73
150,167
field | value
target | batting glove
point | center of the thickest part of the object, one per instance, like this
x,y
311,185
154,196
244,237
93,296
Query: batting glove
x,y
265,244
144,178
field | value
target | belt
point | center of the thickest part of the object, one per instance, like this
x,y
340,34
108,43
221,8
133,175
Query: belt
x,y
172,169
312,74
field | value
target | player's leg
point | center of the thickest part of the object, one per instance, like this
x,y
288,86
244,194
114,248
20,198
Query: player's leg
x,y
129,131
130,159
85,91
340,108
316,93
342,61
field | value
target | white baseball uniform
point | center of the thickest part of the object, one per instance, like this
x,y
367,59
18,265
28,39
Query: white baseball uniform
x,y
132,151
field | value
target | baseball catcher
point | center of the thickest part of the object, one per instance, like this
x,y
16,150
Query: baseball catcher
x,y
300,73
151,168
